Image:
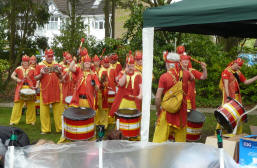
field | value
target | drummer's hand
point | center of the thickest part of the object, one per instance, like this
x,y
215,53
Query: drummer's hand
x,y
126,70
158,112
18,80
42,71
203,64
139,97
228,99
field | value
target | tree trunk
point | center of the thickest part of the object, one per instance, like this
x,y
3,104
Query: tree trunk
x,y
73,21
113,18
106,15
229,43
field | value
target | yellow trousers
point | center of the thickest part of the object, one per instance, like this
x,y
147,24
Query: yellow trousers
x,y
58,109
163,129
124,104
101,117
127,104
17,110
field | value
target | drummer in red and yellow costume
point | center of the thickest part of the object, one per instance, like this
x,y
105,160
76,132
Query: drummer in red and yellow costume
x,y
87,84
68,80
32,65
63,62
186,65
229,84
97,64
50,92
105,87
115,69
171,123
21,76
115,64
129,93
138,61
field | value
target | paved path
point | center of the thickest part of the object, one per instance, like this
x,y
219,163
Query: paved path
x,y
204,110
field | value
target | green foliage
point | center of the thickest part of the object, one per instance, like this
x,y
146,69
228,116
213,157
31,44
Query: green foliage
x,y
70,37
249,92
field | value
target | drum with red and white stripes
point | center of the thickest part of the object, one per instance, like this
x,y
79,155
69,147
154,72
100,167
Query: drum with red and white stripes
x,y
129,122
195,122
111,96
228,114
78,123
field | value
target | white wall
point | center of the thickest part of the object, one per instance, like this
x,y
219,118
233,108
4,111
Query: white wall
x,y
53,27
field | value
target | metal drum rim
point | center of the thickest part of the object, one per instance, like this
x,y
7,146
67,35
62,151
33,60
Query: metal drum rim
x,y
204,118
229,123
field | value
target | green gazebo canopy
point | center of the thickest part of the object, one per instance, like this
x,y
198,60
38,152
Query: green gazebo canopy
x,y
213,17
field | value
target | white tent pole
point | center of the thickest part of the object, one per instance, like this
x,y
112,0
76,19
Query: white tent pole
x,y
148,37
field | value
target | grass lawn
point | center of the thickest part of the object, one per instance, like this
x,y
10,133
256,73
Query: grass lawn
x,y
34,131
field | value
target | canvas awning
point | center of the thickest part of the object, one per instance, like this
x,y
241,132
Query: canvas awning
x,y
212,17
219,17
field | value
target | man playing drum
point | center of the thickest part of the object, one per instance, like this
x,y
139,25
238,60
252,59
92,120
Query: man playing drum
x,y
229,84
97,64
129,88
32,65
138,61
105,88
21,76
87,84
115,64
48,72
68,80
171,123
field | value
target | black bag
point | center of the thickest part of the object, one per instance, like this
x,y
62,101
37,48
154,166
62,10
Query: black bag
x,y
6,132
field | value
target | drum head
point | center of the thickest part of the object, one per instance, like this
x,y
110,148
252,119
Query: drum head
x,y
195,117
223,121
128,113
28,91
78,113
68,99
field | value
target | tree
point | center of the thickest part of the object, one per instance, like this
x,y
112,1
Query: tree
x,y
22,18
113,18
106,18
71,33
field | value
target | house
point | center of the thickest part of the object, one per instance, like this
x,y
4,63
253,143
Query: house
x,y
91,12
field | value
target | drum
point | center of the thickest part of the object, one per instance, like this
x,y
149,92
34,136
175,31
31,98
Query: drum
x,y
228,114
68,99
195,122
27,94
111,96
78,124
130,120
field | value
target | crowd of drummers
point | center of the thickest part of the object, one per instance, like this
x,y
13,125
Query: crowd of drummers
x,y
103,85
90,82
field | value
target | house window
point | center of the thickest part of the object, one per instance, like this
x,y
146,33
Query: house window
x,y
53,23
99,24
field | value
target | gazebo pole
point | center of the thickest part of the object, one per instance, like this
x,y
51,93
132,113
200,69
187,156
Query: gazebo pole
x,y
148,37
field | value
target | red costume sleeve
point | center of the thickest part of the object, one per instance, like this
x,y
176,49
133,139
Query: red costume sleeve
x,y
225,74
242,77
162,81
196,74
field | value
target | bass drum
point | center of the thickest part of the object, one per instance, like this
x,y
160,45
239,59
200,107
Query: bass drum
x,y
78,123
195,120
130,120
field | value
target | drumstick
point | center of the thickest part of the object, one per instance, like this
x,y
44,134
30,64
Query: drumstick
x,y
102,53
195,60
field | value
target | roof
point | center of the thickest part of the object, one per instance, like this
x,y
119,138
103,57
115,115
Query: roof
x,y
219,17
84,7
